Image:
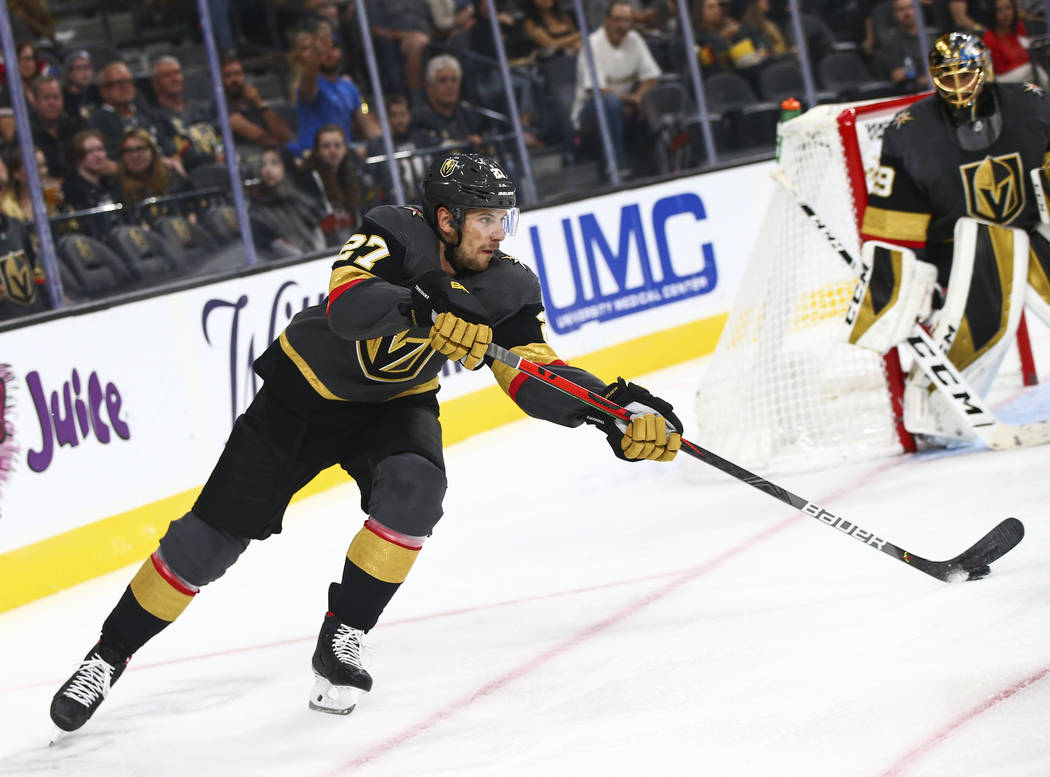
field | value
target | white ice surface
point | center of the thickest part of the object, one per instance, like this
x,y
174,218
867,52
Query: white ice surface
x,y
575,615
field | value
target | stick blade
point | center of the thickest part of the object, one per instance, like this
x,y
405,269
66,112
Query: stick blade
x,y
974,562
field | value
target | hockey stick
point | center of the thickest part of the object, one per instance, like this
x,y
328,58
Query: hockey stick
x,y
935,364
971,564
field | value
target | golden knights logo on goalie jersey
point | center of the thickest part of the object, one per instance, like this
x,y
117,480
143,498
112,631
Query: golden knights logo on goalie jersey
x,y
994,188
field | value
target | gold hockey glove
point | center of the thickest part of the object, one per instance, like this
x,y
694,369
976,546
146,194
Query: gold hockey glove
x,y
654,432
458,339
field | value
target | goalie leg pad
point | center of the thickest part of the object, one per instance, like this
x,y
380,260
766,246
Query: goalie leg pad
x,y
1037,296
982,308
894,291
1041,185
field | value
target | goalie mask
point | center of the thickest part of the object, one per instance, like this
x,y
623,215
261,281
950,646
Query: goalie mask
x,y
959,67
461,182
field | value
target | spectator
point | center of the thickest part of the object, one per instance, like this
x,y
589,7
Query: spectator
x,y
251,119
282,207
52,128
972,15
1004,41
81,92
449,118
626,71
715,33
334,164
760,39
899,55
322,95
407,25
219,12
90,183
21,282
550,28
187,122
123,109
29,67
488,81
405,136
35,15
142,174
7,116
14,197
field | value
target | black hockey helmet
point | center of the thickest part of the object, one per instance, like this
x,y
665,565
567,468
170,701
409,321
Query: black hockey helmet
x,y
959,67
464,181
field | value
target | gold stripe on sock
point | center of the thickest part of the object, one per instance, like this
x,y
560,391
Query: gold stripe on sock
x,y
156,595
381,559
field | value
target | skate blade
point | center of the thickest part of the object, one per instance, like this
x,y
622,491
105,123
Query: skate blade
x,y
57,735
334,699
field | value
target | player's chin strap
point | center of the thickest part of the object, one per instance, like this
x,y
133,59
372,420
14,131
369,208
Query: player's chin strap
x,y
935,364
971,564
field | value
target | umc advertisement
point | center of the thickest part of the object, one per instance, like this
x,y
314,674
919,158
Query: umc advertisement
x,y
111,412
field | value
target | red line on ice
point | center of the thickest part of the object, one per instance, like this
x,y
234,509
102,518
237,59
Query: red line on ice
x,y
906,761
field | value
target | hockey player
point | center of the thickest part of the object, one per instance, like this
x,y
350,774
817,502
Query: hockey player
x,y
952,223
352,381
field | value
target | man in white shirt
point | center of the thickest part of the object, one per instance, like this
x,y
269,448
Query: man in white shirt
x,y
626,71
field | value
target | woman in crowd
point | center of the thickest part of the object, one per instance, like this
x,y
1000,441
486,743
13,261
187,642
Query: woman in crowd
x,y
141,174
1006,43
334,164
760,37
280,205
715,34
14,197
550,28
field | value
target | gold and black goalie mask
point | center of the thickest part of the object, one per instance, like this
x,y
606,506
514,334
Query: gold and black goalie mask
x,y
959,68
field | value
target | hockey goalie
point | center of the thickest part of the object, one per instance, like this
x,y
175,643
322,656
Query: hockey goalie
x,y
952,232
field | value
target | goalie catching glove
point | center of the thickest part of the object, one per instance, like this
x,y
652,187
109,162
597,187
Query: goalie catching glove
x,y
460,329
654,432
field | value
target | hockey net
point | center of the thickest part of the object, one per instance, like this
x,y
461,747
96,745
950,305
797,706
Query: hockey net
x,y
783,391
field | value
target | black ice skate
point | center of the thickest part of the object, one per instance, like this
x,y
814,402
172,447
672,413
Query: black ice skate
x,y
80,695
341,678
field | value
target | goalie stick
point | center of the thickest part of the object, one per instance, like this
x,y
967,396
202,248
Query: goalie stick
x,y
971,564
935,364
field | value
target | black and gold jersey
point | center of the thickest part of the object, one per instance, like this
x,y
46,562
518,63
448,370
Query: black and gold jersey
x,y
359,345
21,283
926,181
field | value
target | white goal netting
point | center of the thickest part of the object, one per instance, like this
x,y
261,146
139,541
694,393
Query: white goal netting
x,y
783,391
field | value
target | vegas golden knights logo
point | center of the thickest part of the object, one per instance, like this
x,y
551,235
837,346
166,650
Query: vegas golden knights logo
x,y
394,358
17,276
994,188
448,167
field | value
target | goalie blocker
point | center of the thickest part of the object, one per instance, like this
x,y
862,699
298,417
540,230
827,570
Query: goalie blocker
x,y
894,291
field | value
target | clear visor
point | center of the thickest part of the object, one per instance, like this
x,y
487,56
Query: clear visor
x,y
510,221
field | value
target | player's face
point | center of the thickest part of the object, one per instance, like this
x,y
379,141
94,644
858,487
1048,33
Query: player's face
x,y
482,232
958,88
